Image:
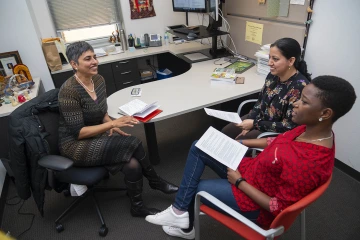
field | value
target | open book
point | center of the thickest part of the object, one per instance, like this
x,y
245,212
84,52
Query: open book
x,y
140,110
222,148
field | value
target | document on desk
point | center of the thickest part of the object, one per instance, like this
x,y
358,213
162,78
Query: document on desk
x,y
227,116
221,147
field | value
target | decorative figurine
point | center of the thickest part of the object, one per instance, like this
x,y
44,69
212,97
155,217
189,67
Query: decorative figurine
x,y
21,98
27,96
22,70
13,102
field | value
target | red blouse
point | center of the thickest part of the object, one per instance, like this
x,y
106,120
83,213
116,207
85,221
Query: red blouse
x,y
286,171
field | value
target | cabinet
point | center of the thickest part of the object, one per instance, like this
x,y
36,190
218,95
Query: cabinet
x,y
117,75
126,73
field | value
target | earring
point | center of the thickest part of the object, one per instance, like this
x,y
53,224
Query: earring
x,y
320,119
289,67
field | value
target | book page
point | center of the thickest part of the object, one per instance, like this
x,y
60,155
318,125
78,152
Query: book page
x,y
227,116
132,107
143,114
222,148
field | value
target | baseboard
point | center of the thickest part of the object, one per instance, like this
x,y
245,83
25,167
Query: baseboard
x,y
3,197
347,169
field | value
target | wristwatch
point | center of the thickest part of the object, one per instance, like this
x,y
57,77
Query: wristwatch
x,y
238,181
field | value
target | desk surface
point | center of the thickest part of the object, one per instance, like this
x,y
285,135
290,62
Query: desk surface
x,y
187,92
7,109
172,48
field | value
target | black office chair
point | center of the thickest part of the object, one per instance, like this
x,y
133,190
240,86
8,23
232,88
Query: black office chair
x,y
61,172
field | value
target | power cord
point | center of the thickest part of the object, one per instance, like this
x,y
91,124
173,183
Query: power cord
x,y
21,213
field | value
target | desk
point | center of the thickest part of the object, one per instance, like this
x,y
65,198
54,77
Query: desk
x,y
185,93
122,70
5,111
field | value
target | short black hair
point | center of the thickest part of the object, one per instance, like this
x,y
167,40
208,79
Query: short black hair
x,y
74,50
335,93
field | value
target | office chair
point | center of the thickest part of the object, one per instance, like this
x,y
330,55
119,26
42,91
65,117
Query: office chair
x,y
247,228
61,172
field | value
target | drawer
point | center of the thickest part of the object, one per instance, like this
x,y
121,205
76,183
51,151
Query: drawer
x,y
124,65
126,79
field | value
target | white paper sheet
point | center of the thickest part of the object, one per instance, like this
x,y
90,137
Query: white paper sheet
x,y
77,190
222,148
297,2
227,116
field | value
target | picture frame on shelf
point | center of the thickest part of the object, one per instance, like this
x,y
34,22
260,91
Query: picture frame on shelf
x,y
8,60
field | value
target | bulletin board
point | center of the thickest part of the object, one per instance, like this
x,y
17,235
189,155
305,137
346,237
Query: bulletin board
x,y
238,13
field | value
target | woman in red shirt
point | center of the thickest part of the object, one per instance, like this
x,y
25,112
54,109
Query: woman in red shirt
x,y
291,166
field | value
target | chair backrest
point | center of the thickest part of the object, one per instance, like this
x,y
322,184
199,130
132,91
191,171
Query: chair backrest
x,y
285,218
288,215
50,121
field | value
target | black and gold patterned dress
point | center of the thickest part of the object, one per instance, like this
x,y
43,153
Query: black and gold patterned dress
x,y
78,110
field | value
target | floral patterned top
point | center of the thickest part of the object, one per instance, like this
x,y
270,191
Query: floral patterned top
x,y
272,111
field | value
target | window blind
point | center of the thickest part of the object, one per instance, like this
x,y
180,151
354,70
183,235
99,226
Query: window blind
x,y
73,14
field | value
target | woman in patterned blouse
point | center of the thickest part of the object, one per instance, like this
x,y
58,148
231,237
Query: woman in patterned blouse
x,y
283,85
291,166
89,137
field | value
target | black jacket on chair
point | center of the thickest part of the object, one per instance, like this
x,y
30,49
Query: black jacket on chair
x,y
27,146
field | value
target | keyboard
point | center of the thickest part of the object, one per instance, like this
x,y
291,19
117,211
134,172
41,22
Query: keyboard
x,y
186,31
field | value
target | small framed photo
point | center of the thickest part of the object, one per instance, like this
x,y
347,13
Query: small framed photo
x,y
8,60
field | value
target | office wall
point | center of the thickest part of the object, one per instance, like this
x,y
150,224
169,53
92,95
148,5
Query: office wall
x,y
19,33
334,48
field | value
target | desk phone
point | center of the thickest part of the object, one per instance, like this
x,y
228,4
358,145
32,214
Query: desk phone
x,y
155,40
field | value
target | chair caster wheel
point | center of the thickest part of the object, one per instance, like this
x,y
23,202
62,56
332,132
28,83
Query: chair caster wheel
x,y
103,231
59,227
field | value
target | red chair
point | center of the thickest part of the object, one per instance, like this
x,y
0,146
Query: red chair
x,y
250,230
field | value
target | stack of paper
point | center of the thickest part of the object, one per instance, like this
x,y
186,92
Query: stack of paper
x,y
223,76
140,110
99,52
263,59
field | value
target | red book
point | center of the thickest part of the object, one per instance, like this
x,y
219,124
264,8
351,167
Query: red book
x,y
150,116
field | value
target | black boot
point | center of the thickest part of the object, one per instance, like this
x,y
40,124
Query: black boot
x,y
156,182
137,207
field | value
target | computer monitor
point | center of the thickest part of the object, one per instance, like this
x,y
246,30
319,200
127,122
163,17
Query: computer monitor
x,y
197,6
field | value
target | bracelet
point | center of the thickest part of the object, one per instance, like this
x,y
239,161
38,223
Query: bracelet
x,y
241,141
238,181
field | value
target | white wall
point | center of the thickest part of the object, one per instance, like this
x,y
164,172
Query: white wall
x,y
334,49
20,34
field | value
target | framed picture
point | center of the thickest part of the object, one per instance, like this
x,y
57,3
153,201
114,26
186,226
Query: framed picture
x,y
8,60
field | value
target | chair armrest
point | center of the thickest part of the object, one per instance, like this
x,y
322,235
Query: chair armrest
x,y
243,103
273,232
55,162
266,134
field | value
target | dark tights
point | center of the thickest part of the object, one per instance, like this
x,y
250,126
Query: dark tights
x,y
133,169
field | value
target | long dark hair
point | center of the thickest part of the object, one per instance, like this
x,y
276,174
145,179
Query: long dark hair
x,y
291,48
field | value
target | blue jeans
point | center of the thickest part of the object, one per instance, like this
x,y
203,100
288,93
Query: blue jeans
x,y
191,184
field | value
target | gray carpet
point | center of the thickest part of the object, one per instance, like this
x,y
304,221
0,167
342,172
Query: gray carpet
x,y
336,215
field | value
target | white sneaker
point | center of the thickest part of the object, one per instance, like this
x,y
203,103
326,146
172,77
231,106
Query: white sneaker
x,y
169,218
177,232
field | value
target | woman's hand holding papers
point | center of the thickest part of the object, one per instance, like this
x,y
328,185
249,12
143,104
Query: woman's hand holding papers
x,y
246,126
